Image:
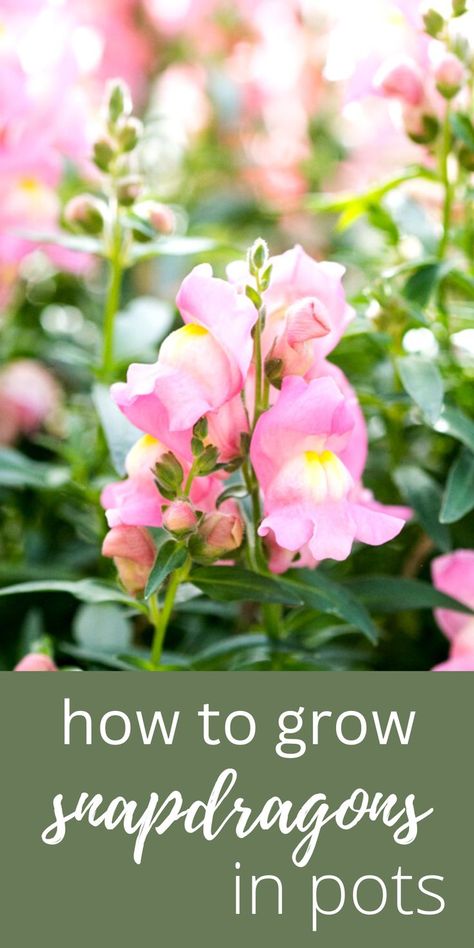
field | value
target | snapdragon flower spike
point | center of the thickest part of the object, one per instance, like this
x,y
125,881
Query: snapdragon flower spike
x,y
200,367
310,497
136,501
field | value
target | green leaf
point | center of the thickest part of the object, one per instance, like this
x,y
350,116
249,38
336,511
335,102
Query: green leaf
x,y
335,203
119,433
230,584
421,284
80,244
324,595
424,494
463,129
170,556
458,497
455,423
17,470
423,382
172,247
391,594
237,491
298,587
102,627
86,590
228,646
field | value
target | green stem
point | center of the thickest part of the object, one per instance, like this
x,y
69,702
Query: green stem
x,y
271,613
161,617
446,143
112,302
189,481
258,369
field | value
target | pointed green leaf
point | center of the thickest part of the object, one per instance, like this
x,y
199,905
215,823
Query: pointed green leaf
x,y
171,556
423,382
424,494
458,497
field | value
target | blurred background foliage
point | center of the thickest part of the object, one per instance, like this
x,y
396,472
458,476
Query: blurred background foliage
x,y
252,127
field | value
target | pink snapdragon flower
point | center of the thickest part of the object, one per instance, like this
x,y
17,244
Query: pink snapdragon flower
x,y
136,501
307,311
200,367
133,553
310,496
453,574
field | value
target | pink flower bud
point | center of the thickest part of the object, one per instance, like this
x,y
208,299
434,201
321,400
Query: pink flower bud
x,y
83,213
133,553
179,518
401,79
307,319
449,75
219,535
162,218
36,662
159,216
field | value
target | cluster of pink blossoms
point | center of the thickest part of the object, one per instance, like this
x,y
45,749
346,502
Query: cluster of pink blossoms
x,y
307,446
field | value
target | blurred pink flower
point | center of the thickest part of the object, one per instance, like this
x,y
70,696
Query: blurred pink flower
x,y
200,367
400,78
310,497
29,396
453,574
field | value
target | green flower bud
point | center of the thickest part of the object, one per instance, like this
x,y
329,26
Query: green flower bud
x,y
103,153
129,190
84,214
258,256
128,133
169,475
118,99
434,23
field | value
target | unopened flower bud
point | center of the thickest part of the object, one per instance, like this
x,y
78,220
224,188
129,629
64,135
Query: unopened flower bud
x,y
36,662
434,23
133,553
128,132
449,75
466,158
421,127
274,371
219,534
159,216
118,99
400,79
180,518
129,190
169,475
83,214
258,256
103,153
